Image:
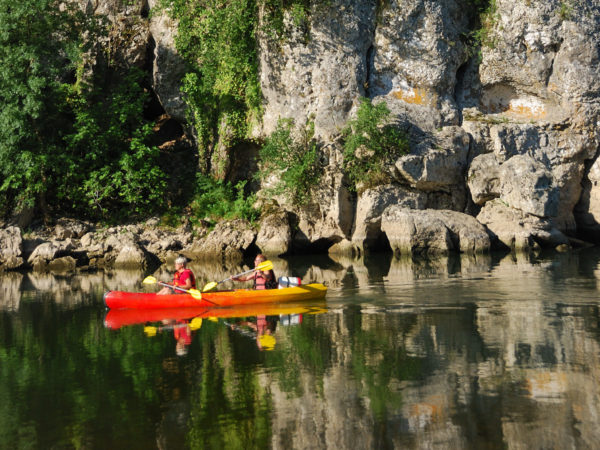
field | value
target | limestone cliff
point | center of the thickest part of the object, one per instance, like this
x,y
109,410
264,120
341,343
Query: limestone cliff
x,y
504,129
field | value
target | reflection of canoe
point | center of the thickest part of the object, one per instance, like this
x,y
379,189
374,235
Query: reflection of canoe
x,y
117,318
143,300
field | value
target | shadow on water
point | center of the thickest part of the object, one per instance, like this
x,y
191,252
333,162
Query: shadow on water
x,y
486,351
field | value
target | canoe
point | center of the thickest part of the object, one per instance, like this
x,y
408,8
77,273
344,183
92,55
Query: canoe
x,y
117,318
145,300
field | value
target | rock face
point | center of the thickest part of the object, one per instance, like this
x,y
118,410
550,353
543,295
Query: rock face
x,y
505,134
11,248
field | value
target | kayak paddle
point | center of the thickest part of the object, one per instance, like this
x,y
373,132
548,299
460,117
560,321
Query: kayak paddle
x,y
263,266
194,325
193,292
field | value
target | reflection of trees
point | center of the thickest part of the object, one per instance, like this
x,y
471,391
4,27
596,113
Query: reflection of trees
x,y
229,407
64,377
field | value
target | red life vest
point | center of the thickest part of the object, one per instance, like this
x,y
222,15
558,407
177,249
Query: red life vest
x,y
179,278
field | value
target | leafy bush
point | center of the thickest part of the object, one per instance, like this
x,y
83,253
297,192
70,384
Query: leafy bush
x,y
70,142
115,165
221,87
371,145
295,162
217,199
37,41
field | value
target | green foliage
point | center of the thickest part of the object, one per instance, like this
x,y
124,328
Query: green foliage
x,y
221,87
216,199
37,40
484,18
274,13
110,143
295,162
565,10
371,145
70,142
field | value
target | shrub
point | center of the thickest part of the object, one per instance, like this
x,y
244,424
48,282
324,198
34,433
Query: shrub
x,y
293,161
70,141
371,145
218,199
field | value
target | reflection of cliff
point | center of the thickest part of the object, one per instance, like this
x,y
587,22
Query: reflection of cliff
x,y
550,355
10,291
477,353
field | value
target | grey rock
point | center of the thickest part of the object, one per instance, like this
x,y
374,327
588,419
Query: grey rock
x,y
519,230
275,235
11,248
433,232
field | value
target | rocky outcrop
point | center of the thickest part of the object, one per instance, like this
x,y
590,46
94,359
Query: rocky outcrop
x,y
11,248
433,232
48,252
275,235
228,241
168,67
372,204
519,230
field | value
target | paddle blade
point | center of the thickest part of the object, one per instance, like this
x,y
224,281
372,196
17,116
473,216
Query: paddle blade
x,y
196,323
195,293
150,331
150,280
266,342
209,286
264,266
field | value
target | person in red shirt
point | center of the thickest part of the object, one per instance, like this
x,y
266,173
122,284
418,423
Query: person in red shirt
x,y
262,280
183,278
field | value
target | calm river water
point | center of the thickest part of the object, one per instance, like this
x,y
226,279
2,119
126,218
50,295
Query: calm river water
x,y
488,352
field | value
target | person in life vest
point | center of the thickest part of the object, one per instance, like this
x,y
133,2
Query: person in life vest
x,y
262,280
183,278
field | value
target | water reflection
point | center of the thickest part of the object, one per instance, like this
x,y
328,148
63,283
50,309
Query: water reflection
x,y
458,352
259,322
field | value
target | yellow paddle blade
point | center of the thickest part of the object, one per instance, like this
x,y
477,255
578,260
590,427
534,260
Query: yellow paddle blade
x,y
267,342
209,286
150,280
213,319
150,331
196,323
265,265
195,293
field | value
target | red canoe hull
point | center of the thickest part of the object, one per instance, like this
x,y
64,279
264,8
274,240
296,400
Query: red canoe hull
x,y
143,300
117,318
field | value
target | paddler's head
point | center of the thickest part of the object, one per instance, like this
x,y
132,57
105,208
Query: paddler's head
x,y
180,263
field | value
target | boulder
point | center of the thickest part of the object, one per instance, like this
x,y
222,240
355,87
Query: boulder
x,y
69,228
132,256
11,248
437,163
521,182
528,185
370,206
46,252
519,230
433,231
63,264
228,241
275,235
